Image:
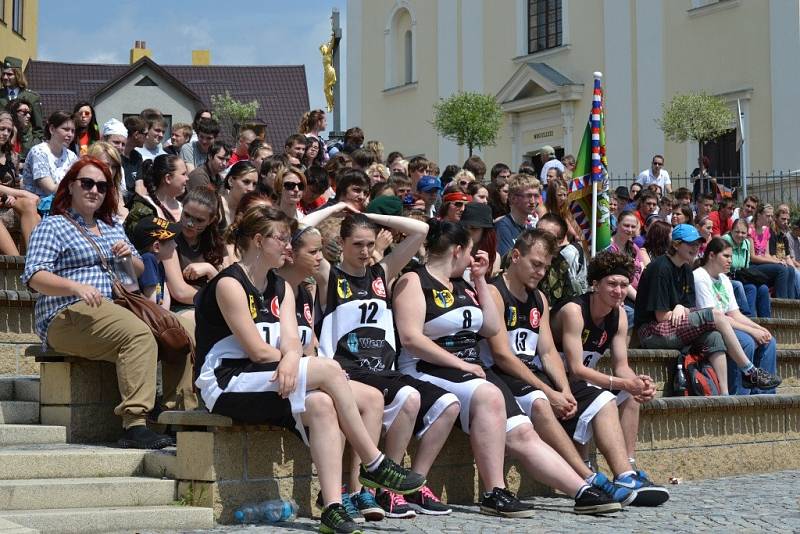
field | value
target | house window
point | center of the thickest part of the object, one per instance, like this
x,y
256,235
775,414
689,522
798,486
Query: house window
x,y
408,57
16,16
544,25
400,63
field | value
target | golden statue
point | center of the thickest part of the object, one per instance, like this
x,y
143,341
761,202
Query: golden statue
x,y
327,49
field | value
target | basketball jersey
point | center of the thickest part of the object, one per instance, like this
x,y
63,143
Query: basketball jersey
x,y
595,339
522,323
357,326
302,306
215,341
452,319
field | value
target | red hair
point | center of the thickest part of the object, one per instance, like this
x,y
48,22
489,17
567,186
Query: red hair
x,y
63,199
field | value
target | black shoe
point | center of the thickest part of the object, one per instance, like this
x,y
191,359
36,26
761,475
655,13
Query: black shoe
x,y
647,493
392,477
426,502
595,501
760,379
335,521
141,437
502,502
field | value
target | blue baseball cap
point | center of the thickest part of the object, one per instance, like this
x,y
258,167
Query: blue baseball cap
x,y
428,183
686,233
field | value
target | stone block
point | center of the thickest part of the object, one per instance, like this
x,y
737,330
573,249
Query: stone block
x,y
211,456
79,382
13,359
276,453
455,484
92,423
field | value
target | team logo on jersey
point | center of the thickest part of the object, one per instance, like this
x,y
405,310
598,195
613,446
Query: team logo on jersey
x,y
352,342
307,312
443,298
275,307
603,338
473,296
252,305
511,316
535,317
378,288
584,336
343,288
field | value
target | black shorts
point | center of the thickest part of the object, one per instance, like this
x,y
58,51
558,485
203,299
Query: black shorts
x,y
396,388
463,385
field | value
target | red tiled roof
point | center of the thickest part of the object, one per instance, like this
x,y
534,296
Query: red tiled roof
x,y
281,91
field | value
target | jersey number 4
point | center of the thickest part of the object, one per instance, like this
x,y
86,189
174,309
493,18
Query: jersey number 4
x,y
368,312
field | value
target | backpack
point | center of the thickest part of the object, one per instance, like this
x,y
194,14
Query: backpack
x,y
701,379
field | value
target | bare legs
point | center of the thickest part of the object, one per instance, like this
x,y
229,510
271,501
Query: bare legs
x,y
432,441
325,443
28,216
370,406
487,434
541,461
720,365
7,245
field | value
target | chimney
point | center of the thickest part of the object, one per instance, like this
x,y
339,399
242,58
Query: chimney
x,y
139,51
201,58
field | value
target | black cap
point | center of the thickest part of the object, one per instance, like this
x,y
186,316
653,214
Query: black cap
x,y
151,229
477,215
12,63
622,192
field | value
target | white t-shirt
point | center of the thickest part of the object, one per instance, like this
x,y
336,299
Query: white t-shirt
x,y
150,154
711,293
41,163
646,178
551,163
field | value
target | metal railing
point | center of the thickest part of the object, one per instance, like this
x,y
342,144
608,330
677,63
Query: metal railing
x,y
775,187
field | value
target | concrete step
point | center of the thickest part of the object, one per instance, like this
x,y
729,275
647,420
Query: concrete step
x,y
11,268
116,519
785,308
7,527
21,388
19,412
785,331
31,434
21,462
45,493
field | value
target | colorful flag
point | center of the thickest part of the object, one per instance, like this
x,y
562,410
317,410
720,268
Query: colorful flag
x,y
590,167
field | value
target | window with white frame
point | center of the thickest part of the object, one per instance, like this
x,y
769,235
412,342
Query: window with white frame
x,y
400,47
545,28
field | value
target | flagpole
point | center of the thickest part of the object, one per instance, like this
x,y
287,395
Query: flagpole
x,y
743,140
596,169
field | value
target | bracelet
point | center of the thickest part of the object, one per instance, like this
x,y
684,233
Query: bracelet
x,y
611,383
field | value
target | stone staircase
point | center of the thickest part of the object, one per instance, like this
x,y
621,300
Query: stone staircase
x,y
48,485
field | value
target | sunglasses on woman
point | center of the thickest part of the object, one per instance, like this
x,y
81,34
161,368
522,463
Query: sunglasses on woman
x,y
87,184
290,186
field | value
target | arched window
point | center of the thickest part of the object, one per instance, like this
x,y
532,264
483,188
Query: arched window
x,y
400,40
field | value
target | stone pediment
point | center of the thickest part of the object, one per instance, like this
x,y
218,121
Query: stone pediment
x,y
535,85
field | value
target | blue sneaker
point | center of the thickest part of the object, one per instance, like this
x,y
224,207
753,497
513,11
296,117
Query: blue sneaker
x,y
367,505
647,493
621,494
351,508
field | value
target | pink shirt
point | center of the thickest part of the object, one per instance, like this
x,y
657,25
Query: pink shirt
x,y
637,262
760,243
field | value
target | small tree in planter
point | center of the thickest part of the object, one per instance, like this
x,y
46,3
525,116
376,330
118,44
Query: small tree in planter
x,y
471,119
232,113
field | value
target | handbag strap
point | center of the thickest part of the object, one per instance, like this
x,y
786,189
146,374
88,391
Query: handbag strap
x,y
91,241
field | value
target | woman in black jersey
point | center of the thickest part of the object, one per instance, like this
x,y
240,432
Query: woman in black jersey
x,y
441,346
249,365
356,328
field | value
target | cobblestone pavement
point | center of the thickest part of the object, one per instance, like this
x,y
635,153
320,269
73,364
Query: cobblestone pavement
x,y
753,503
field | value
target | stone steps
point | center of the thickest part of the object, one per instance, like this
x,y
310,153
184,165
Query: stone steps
x,y
44,493
785,331
19,412
21,388
17,353
31,434
16,311
113,519
785,308
11,268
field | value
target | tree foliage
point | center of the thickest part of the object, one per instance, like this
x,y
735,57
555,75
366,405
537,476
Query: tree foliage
x,y
471,119
232,113
695,116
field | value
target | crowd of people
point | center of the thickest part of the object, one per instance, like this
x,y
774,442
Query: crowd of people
x,y
303,273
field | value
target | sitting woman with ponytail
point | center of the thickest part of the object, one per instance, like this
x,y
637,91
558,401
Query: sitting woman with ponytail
x,y
165,178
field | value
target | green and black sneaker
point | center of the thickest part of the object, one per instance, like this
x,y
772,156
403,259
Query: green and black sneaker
x,y
336,521
392,477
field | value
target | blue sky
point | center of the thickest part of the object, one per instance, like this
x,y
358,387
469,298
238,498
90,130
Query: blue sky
x,y
254,33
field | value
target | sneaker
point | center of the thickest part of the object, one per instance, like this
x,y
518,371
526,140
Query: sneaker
x,y
647,493
350,507
366,504
595,501
426,502
394,505
502,502
760,379
335,520
141,437
621,494
392,477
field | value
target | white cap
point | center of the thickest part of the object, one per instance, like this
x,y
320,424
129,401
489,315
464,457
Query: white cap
x,y
114,127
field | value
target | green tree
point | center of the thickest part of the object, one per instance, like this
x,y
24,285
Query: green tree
x,y
695,116
471,119
232,113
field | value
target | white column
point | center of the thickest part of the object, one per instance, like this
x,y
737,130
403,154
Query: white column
x,y
649,81
618,85
447,68
784,47
568,122
352,86
472,45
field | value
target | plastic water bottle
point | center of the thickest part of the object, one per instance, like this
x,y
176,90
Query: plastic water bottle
x,y
266,512
680,387
123,267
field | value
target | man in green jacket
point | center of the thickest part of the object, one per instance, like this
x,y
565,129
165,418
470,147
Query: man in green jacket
x,y
16,86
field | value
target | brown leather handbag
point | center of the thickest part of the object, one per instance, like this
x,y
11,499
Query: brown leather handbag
x,y
174,343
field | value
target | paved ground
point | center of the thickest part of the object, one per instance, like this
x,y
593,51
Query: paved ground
x,y
754,503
